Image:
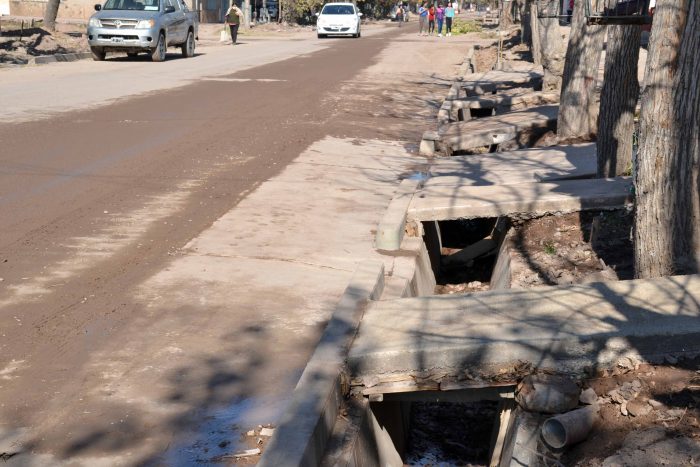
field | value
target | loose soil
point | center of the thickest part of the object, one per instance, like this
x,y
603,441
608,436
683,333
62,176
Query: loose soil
x,y
558,249
648,416
18,46
551,250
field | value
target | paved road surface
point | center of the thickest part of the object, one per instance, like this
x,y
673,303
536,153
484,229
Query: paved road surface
x,y
96,202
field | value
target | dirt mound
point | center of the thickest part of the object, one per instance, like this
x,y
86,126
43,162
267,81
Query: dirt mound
x,y
18,45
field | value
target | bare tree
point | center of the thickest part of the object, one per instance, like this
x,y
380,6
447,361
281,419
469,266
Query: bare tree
x,y
525,24
50,14
506,19
246,13
618,101
536,46
550,44
666,178
578,109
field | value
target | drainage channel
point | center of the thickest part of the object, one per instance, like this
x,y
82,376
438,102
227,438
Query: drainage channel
x,y
459,427
428,420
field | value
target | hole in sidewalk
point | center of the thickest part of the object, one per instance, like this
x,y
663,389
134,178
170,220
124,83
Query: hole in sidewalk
x,y
443,433
480,113
467,252
446,428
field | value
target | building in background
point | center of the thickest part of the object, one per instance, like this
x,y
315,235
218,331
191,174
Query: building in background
x,y
211,11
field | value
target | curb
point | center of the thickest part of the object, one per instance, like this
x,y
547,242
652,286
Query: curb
x,y
73,57
301,437
391,228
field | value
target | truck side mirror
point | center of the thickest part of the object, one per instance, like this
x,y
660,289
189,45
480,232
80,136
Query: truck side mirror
x,y
98,7
169,9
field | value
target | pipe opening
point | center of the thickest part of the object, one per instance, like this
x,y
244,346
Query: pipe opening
x,y
554,433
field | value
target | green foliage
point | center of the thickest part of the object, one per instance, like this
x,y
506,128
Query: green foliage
x,y
460,26
549,248
300,11
376,8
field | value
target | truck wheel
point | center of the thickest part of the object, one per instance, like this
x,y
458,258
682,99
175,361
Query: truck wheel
x,y
132,54
158,54
98,54
188,46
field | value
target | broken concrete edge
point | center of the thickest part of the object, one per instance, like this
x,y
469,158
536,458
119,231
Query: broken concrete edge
x,y
429,143
447,215
302,434
603,325
411,274
444,115
72,57
392,227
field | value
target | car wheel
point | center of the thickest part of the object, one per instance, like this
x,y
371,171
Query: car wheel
x,y
98,54
322,36
188,46
158,54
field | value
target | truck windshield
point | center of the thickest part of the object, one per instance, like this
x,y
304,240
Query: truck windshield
x,y
149,5
338,10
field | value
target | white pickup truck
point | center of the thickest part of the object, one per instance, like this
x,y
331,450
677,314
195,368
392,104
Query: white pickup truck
x,y
135,26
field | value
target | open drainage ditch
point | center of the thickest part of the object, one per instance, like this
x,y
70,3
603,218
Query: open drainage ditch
x,y
460,427
479,426
475,255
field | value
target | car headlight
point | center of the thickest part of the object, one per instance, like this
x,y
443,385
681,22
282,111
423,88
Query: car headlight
x,y
145,24
94,23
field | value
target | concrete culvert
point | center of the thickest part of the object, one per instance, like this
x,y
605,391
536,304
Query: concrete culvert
x,y
569,428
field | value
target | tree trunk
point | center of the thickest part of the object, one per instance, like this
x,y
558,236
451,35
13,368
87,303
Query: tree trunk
x,y
525,24
578,109
551,45
536,47
618,100
666,180
50,15
506,19
246,13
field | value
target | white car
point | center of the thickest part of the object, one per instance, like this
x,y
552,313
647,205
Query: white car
x,y
338,19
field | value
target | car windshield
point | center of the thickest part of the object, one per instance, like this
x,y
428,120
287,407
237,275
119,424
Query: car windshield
x,y
338,10
149,5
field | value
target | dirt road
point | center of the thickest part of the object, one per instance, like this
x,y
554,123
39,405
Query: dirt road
x,y
97,202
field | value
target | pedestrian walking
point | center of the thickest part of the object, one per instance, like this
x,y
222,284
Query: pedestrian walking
x,y
234,15
440,17
449,17
399,15
431,20
422,20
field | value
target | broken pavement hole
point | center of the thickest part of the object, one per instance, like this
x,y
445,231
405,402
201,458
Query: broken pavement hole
x,y
447,428
463,252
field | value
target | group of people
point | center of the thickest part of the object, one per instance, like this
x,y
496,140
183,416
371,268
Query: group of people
x,y
429,14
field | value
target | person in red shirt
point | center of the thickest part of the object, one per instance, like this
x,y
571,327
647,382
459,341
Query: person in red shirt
x,y
431,19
